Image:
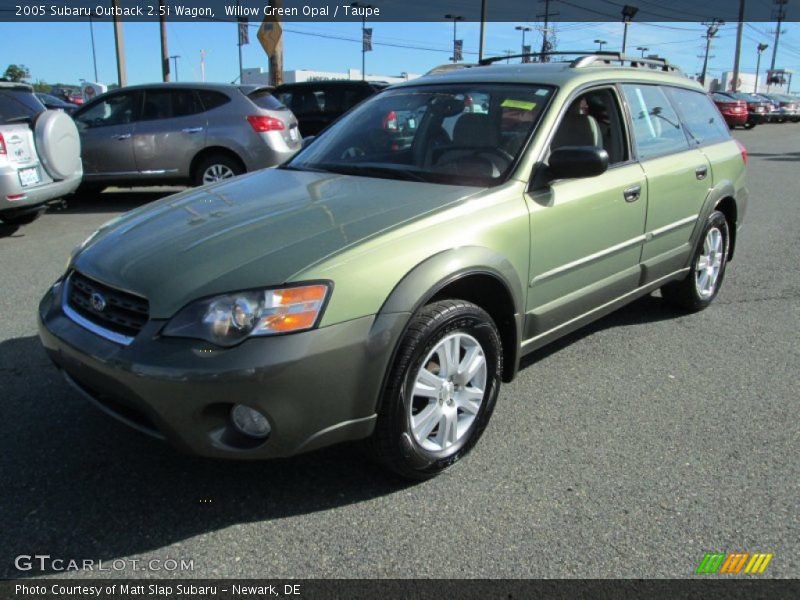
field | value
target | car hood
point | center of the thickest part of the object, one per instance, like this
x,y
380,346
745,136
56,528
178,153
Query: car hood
x,y
253,231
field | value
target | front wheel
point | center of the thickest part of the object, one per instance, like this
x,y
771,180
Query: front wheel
x,y
704,280
441,390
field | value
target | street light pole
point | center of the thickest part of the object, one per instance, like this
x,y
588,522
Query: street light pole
x,y
456,19
760,48
600,43
642,49
628,12
363,32
524,29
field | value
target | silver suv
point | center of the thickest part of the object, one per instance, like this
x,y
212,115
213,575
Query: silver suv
x,y
40,157
181,133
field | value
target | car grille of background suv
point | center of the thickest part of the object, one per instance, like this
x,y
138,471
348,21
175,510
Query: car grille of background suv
x,y
124,313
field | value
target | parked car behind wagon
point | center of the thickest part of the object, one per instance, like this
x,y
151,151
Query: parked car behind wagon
x,y
183,133
39,154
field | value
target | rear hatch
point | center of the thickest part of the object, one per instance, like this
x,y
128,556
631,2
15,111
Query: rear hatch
x,y
269,106
18,109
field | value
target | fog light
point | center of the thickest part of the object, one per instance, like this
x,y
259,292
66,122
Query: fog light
x,y
250,422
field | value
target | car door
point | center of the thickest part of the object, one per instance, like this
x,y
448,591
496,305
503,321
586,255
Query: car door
x,y
678,179
106,129
586,234
170,132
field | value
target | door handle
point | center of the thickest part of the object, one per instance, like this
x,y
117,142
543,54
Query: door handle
x,y
192,130
701,173
633,193
123,136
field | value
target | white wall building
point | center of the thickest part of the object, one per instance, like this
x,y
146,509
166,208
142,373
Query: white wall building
x,y
258,75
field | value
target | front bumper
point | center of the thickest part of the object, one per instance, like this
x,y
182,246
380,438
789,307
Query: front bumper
x,y
316,388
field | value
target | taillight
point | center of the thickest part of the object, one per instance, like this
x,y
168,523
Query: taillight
x,y
2,144
743,150
390,121
264,124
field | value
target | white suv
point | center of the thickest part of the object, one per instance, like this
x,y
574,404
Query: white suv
x,y
40,154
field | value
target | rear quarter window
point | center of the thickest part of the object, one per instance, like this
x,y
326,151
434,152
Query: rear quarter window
x,y
265,99
212,99
700,116
16,104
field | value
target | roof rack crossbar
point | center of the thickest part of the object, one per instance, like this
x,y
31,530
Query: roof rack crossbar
x,y
589,58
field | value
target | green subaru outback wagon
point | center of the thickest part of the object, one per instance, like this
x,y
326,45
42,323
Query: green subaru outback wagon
x,y
370,290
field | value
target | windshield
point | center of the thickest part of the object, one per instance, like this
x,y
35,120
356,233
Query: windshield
x,y
459,134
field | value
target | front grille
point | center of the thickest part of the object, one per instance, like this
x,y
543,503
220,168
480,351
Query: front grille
x,y
123,313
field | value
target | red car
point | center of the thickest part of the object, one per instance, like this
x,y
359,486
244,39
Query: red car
x,y
734,111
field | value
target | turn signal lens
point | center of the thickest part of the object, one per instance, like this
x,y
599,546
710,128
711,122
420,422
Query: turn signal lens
x,y
292,309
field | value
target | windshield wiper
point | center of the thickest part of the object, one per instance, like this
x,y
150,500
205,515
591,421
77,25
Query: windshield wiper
x,y
373,171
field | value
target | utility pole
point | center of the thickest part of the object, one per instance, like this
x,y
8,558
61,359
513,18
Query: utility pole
x,y
119,42
483,31
175,58
713,28
545,30
739,33
239,42
760,48
162,22
779,17
508,53
455,19
94,55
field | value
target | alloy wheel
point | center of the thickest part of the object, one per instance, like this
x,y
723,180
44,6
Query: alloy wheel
x,y
709,263
448,392
217,173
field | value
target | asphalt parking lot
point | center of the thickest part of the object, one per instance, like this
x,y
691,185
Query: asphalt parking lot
x,y
628,449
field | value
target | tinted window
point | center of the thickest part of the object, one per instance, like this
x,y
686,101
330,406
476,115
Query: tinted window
x,y
169,104
264,99
118,109
656,127
16,104
700,116
211,99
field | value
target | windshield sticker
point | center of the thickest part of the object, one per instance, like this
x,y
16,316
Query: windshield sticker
x,y
521,104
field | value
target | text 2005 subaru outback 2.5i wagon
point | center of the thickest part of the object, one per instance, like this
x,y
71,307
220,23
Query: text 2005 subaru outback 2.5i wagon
x,y
366,291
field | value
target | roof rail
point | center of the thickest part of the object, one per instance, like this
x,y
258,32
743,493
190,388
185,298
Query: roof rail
x,y
586,58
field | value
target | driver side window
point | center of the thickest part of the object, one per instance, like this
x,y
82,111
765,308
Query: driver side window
x,y
115,110
594,119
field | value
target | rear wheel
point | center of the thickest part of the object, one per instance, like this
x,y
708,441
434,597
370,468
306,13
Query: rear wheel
x,y
704,280
216,167
441,390
749,125
20,217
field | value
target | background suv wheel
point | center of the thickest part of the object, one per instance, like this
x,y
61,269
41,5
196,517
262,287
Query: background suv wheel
x,y
216,167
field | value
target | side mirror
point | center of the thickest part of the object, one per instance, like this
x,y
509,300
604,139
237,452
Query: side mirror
x,y
307,141
574,162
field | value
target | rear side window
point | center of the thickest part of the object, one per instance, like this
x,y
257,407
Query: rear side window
x,y
212,99
169,104
656,126
18,104
701,118
264,99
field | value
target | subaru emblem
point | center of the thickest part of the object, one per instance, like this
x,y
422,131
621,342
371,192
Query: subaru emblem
x,y
98,302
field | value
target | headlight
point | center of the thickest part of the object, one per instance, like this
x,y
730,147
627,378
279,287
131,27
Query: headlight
x,y
229,319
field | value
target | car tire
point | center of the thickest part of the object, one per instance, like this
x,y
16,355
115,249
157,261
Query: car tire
x,y
216,167
419,435
20,217
749,125
702,284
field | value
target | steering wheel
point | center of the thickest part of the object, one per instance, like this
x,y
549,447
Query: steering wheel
x,y
497,152
353,152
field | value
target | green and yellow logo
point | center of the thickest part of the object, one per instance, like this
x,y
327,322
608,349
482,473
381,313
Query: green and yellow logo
x,y
734,563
